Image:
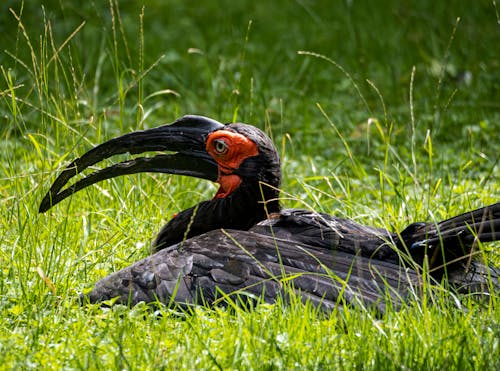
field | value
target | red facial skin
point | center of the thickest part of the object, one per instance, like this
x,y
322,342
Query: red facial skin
x,y
229,150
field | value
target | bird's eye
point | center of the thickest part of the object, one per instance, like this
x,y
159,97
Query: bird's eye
x,y
220,147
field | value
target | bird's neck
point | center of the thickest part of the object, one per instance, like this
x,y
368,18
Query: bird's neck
x,y
241,210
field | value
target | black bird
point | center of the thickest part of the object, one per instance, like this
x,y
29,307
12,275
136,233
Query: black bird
x,y
242,242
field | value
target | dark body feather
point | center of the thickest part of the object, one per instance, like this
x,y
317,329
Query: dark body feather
x,y
330,261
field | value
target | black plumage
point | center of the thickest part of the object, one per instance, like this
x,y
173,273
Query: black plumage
x,y
241,241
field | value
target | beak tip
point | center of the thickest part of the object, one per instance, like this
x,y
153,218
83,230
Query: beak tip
x,y
45,205
42,209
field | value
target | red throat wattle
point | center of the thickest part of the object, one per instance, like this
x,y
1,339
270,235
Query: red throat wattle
x,y
229,150
228,183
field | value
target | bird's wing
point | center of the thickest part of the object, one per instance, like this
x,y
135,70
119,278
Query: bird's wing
x,y
330,232
449,248
233,262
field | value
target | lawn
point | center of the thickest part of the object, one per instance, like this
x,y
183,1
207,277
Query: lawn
x,y
383,112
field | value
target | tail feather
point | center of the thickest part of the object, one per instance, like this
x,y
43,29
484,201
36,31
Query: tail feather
x,y
491,212
449,243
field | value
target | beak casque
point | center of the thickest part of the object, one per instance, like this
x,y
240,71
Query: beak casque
x,y
186,136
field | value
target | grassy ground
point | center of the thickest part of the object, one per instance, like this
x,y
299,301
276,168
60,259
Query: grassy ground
x,y
383,112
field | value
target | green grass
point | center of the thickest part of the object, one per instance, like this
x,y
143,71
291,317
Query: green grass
x,y
369,105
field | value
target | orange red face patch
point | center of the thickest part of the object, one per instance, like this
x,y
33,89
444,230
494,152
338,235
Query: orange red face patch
x,y
229,150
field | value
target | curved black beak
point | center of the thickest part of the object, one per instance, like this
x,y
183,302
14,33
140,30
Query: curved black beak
x,y
186,136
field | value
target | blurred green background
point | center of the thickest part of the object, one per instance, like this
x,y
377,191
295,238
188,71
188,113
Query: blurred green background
x,y
219,62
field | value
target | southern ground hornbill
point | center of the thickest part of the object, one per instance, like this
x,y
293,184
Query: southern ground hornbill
x,y
242,242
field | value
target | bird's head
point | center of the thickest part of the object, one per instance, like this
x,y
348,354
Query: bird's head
x,y
246,158
239,157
